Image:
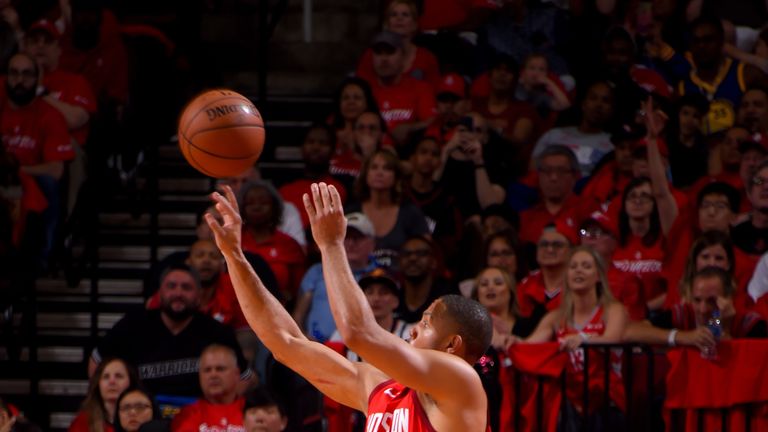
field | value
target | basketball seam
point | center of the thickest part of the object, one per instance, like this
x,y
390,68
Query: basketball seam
x,y
197,164
226,127
191,144
202,109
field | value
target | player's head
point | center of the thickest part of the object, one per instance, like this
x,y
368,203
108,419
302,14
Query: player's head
x,y
456,325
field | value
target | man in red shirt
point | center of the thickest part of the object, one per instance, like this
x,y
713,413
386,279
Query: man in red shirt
x,y
221,408
316,152
421,386
407,104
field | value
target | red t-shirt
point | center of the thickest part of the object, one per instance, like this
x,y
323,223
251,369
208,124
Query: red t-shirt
x,y
532,292
73,89
395,407
645,262
575,210
607,184
223,306
505,121
575,367
424,68
284,256
36,133
628,289
294,191
345,163
407,101
104,66
80,424
204,416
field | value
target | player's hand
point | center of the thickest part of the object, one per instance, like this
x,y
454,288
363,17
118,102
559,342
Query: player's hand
x,y
326,215
571,342
701,338
227,233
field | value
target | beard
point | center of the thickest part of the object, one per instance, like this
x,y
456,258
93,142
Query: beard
x,y
20,95
177,315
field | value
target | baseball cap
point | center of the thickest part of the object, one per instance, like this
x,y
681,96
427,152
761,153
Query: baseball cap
x,y
601,220
565,228
749,145
387,38
361,223
452,84
627,132
381,276
44,26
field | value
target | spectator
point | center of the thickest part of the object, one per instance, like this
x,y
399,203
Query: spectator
x,y
612,175
558,171
588,314
99,410
502,250
688,151
262,413
353,98
540,88
712,289
474,165
35,133
421,284
316,153
13,421
452,104
753,113
512,119
92,46
221,406
540,291
369,134
406,104
751,235
290,221
136,409
401,17
165,344
379,192
599,233
313,312
261,210
589,141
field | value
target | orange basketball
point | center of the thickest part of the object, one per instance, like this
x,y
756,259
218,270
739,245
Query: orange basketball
x,y
221,133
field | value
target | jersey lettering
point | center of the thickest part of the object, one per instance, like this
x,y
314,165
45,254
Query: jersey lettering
x,y
397,421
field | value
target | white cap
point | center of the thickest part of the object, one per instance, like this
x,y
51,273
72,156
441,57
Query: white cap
x,y
360,222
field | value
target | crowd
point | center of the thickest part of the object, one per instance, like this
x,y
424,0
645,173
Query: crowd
x,y
590,171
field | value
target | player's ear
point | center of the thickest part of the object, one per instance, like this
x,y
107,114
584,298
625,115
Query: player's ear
x,y
455,344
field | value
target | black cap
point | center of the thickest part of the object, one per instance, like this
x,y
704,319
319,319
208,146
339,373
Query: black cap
x,y
627,132
750,145
381,276
388,38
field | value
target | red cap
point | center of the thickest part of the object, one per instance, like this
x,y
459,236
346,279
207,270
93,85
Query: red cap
x,y
452,83
603,221
644,143
566,228
46,26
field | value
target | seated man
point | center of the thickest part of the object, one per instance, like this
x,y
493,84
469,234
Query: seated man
x,y
262,413
221,407
686,323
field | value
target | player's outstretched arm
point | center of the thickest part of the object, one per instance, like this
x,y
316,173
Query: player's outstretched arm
x,y
443,376
346,382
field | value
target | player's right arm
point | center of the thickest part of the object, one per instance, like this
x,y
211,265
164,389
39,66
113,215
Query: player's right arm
x,y
344,381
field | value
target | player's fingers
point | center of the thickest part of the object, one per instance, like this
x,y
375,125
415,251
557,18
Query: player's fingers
x,y
222,205
231,198
308,206
327,205
214,225
316,199
335,198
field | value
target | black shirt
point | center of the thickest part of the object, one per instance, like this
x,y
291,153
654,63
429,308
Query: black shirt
x,y
167,363
440,287
750,239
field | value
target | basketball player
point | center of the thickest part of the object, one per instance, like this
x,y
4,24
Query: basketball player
x,y
427,385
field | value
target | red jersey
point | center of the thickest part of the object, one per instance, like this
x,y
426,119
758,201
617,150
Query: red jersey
x,y
424,67
292,192
504,122
532,293
574,211
73,89
284,256
345,163
408,101
607,184
393,407
205,416
80,424
36,134
223,306
644,262
628,289
575,368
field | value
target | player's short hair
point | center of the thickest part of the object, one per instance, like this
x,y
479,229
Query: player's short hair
x,y
473,323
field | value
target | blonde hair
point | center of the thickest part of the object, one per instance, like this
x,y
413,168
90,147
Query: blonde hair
x,y
604,295
513,307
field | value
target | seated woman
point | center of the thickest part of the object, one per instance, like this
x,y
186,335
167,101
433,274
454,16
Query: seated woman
x,y
99,409
588,314
353,98
368,136
135,409
379,193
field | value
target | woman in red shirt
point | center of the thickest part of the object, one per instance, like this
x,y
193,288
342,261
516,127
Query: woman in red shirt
x,y
98,411
353,98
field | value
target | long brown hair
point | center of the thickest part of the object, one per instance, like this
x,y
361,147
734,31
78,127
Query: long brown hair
x,y
604,295
391,162
513,308
706,240
93,405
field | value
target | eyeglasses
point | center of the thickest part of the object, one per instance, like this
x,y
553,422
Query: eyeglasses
x,y
759,181
138,407
418,253
719,206
641,198
501,253
556,245
592,233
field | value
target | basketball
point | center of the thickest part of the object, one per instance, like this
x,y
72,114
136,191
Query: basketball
x,y
221,133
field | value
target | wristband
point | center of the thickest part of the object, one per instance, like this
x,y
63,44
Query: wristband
x,y
671,337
